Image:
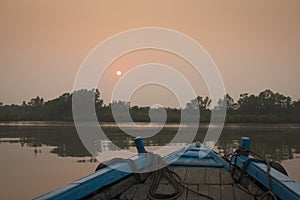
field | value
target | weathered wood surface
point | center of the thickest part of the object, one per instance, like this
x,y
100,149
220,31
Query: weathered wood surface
x,y
214,182
195,176
212,176
203,189
227,192
193,195
226,178
240,194
214,191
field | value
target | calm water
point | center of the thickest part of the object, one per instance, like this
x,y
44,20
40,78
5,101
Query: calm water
x,y
36,157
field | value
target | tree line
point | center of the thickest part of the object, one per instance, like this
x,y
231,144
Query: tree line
x,y
266,107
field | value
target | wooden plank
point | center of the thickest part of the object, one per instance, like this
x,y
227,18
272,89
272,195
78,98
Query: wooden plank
x,y
183,196
161,189
129,194
164,179
240,194
226,177
250,185
164,184
142,192
200,189
168,189
180,171
212,176
195,176
214,191
227,192
203,189
192,195
100,179
165,188
149,180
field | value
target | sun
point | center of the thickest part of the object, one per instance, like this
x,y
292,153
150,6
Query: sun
x,y
118,73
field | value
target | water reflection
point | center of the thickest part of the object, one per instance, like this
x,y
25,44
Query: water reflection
x,y
275,141
278,142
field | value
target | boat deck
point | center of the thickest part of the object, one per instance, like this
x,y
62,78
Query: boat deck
x,y
214,182
203,174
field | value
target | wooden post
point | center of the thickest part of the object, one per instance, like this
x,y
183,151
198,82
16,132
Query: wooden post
x,y
139,144
245,143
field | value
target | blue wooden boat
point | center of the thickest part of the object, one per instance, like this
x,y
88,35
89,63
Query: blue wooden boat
x,y
193,172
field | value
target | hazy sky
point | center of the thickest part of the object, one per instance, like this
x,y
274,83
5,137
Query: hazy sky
x,y
255,44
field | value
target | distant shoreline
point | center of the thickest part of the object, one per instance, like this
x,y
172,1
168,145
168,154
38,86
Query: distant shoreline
x,y
138,122
266,107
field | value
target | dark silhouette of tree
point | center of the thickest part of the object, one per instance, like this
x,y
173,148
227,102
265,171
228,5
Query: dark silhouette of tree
x,y
36,102
199,103
266,107
227,103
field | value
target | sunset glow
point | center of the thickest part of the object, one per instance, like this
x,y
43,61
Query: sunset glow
x,y
245,46
87,86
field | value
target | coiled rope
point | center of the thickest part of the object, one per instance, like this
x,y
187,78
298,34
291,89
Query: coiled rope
x,y
174,180
233,167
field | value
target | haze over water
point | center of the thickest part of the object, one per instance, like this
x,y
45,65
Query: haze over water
x,y
255,45
36,157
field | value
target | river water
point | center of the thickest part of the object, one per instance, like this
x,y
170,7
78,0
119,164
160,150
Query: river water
x,y
36,157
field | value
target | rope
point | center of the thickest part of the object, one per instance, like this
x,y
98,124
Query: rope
x,y
173,178
154,186
175,181
157,163
232,169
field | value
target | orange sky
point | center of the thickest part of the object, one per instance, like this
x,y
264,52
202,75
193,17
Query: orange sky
x,y
255,44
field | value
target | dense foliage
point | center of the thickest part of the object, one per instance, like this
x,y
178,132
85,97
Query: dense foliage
x,y
267,107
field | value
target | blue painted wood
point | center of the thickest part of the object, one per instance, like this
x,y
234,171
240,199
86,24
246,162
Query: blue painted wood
x,y
219,159
95,181
184,162
245,142
175,155
104,177
282,186
189,156
139,144
193,154
86,185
